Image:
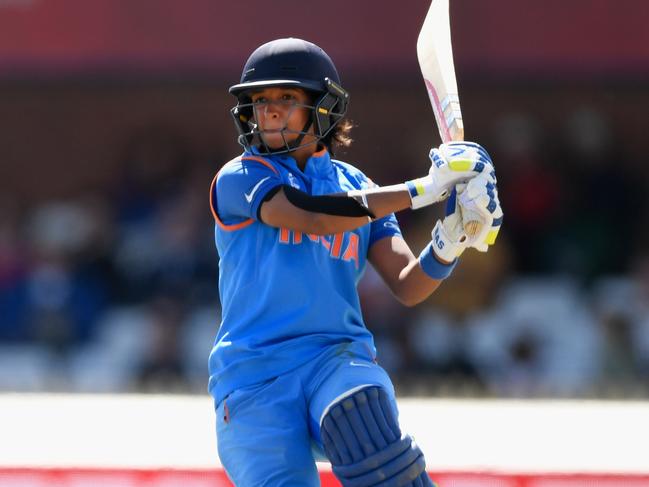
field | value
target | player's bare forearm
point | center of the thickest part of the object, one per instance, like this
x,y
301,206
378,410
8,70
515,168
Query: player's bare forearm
x,y
400,269
381,201
280,212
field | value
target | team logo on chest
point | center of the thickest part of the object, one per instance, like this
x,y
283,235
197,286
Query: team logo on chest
x,y
340,246
292,180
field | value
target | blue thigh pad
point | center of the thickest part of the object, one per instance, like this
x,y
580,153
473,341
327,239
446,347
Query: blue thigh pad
x,y
363,441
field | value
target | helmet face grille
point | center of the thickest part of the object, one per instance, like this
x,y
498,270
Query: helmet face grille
x,y
324,114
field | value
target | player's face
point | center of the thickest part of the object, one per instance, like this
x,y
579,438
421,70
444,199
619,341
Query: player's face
x,y
280,114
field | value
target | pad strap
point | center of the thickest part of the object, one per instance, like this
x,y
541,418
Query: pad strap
x,y
400,460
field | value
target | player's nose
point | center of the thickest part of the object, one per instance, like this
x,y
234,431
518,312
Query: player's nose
x,y
272,109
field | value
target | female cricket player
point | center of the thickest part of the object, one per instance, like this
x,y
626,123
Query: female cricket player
x,y
293,370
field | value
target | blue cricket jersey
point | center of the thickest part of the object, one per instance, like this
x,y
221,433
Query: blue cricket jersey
x,y
285,296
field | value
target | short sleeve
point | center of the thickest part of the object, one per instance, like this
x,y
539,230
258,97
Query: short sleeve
x,y
388,226
241,187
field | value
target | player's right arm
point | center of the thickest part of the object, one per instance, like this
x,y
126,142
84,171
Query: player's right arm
x,y
412,279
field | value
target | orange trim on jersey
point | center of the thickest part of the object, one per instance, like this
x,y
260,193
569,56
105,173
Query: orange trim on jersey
x,y
227,228
320,153
249,221
262,161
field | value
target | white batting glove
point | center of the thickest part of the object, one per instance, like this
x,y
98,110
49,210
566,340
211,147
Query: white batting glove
x,y
448,237
479,199
451,164
480,196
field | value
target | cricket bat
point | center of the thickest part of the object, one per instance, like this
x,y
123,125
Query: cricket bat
x,y
435,54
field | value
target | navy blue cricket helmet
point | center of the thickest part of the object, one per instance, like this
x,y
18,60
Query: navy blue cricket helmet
x,y
294,63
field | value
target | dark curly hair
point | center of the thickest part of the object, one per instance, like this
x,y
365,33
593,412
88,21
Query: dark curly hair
x,y
339,136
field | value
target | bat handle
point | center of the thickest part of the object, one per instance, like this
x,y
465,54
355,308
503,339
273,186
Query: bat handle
x,y
471,223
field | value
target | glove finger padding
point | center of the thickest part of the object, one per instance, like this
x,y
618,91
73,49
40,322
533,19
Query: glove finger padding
x,y
451,163
465,156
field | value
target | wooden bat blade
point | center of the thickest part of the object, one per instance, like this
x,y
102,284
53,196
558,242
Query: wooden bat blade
x,y
435,54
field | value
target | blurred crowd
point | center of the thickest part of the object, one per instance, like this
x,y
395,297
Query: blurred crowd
x,y
116,289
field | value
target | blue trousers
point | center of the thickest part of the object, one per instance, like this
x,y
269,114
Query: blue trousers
x,y
269,434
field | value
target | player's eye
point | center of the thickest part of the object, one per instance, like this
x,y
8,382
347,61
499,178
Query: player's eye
x,y
288,97
259,100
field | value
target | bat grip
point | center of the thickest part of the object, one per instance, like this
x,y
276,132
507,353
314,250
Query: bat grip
x,y
471,223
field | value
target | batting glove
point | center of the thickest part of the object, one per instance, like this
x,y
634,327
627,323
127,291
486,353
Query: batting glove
x,y
451,164
478,200
480,196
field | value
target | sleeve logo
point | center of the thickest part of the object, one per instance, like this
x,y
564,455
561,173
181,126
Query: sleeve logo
x,y
252,192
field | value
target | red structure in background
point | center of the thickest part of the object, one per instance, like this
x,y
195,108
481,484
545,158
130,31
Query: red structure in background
x,y
78,477
553,38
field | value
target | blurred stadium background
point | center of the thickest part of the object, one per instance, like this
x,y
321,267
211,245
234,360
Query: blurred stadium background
x,y
114,118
